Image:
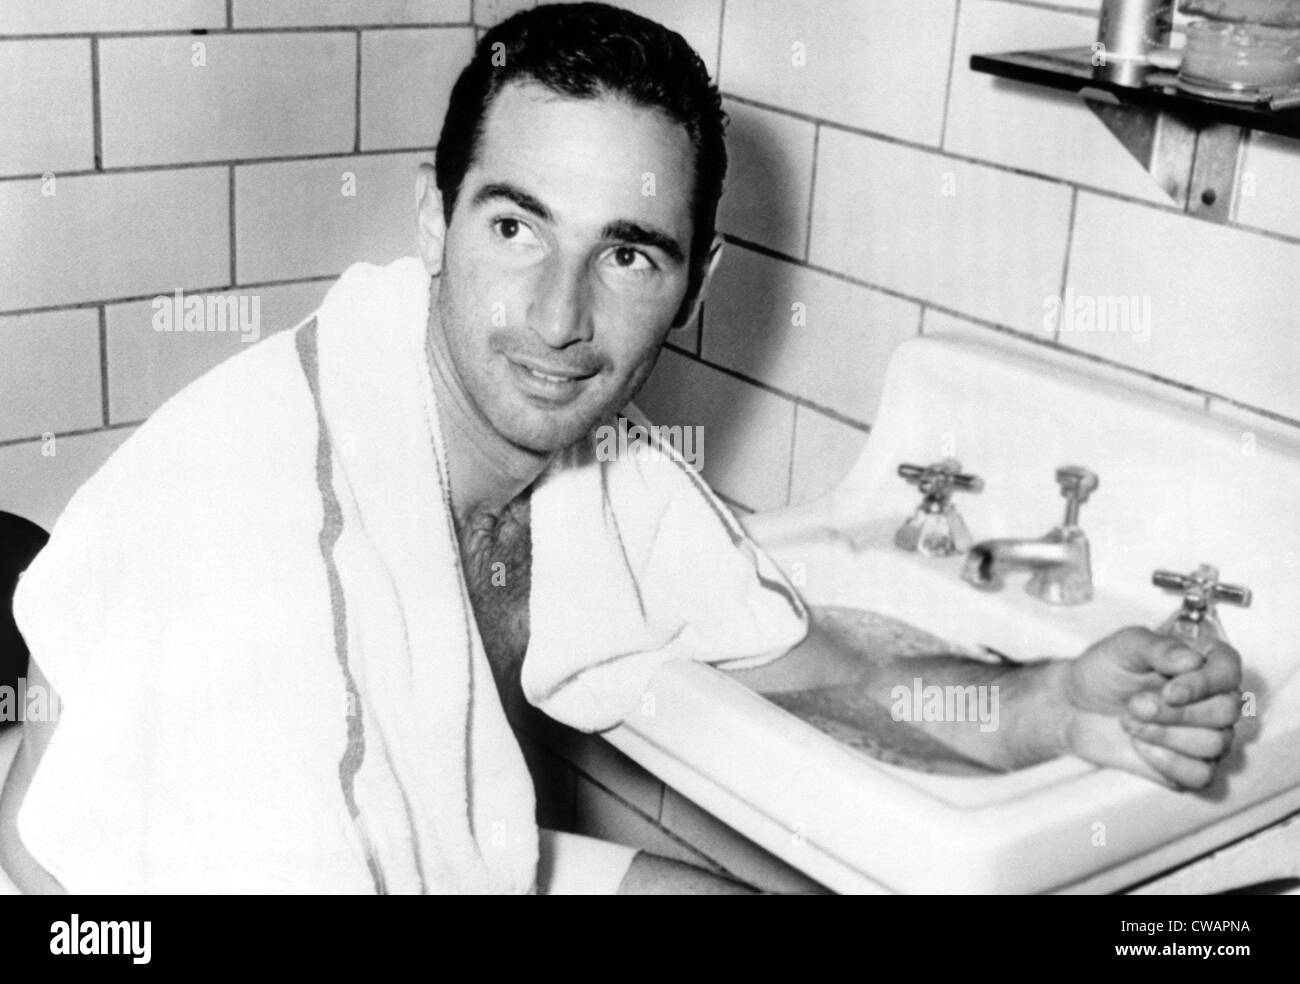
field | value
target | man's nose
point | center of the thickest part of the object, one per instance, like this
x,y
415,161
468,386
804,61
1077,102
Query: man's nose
x,y
560,308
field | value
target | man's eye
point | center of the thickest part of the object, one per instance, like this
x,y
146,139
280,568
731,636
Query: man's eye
x,y
633,260
514,231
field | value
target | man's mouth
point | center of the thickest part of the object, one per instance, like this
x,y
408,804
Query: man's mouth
x,y
553,384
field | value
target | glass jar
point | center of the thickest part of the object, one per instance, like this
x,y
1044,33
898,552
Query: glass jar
x,y
1240,55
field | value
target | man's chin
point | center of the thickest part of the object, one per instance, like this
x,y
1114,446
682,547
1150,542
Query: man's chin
x,y
549,437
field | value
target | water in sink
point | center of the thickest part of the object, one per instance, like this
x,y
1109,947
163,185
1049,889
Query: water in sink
x,y
846,714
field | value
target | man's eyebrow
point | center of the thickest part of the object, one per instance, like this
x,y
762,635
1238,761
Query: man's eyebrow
x,y
517,195
638,235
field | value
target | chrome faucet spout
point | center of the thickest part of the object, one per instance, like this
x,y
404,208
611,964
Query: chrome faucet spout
x,y
988,562
1059,563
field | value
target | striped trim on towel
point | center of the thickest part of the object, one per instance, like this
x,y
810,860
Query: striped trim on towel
x,y
331,530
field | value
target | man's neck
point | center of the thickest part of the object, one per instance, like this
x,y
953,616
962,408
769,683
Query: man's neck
x,y
487,471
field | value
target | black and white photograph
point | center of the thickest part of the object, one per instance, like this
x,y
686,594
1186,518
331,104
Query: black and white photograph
x,y
782,447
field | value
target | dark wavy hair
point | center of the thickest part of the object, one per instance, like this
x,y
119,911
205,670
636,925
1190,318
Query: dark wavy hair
x,y
584,51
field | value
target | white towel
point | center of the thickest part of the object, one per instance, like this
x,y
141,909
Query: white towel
x,y
271,676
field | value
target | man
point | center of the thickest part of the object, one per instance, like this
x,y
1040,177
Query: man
x,y
272,615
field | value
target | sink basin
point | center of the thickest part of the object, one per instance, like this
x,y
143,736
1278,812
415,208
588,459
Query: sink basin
x,y
1176,490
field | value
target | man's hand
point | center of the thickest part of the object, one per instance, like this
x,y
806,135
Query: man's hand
x,y
1149,704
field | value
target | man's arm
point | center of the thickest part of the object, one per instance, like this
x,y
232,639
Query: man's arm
x,y
1137,700
20,866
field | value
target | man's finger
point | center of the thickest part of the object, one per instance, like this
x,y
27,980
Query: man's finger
x,y
1140,650
1221,673
1177,770
1219,711
1210,744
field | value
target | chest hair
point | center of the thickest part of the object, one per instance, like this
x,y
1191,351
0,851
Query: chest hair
x,y
496,555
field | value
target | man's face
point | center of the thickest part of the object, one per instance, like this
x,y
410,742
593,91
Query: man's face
x,y
566,260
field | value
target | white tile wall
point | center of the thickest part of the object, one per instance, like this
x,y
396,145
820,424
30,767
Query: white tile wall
x,y
488,13
78,16
603,815
769,179
264,95
294,220
879,65
41,476
406,80
1270,174
1028,126
312,13
1225,315
747,430
938,324
49,373
146,367
45,106
687,337
994,247
776,322
824,451
113,235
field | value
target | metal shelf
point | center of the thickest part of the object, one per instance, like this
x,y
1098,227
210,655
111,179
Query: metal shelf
x,y
1190,144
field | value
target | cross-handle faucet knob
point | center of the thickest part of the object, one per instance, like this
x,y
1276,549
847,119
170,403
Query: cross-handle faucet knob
x,y
939,480
936,529
1202,587
1077,485
1201,591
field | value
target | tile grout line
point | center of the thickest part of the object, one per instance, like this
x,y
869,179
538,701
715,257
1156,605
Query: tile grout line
x,y
137,298
656,823
789,467
1080,11
722,23
230,15
14,442
952,72
230,221
356,142
103,364
1065,263
233,161
240,32
812,193
96,120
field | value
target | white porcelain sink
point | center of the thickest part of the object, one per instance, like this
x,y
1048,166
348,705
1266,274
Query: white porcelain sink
x,y
1177,488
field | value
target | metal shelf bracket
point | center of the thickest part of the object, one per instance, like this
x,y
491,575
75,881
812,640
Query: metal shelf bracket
x,y
1198,166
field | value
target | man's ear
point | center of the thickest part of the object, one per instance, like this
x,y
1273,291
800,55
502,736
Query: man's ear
x,y
691,308
432,223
